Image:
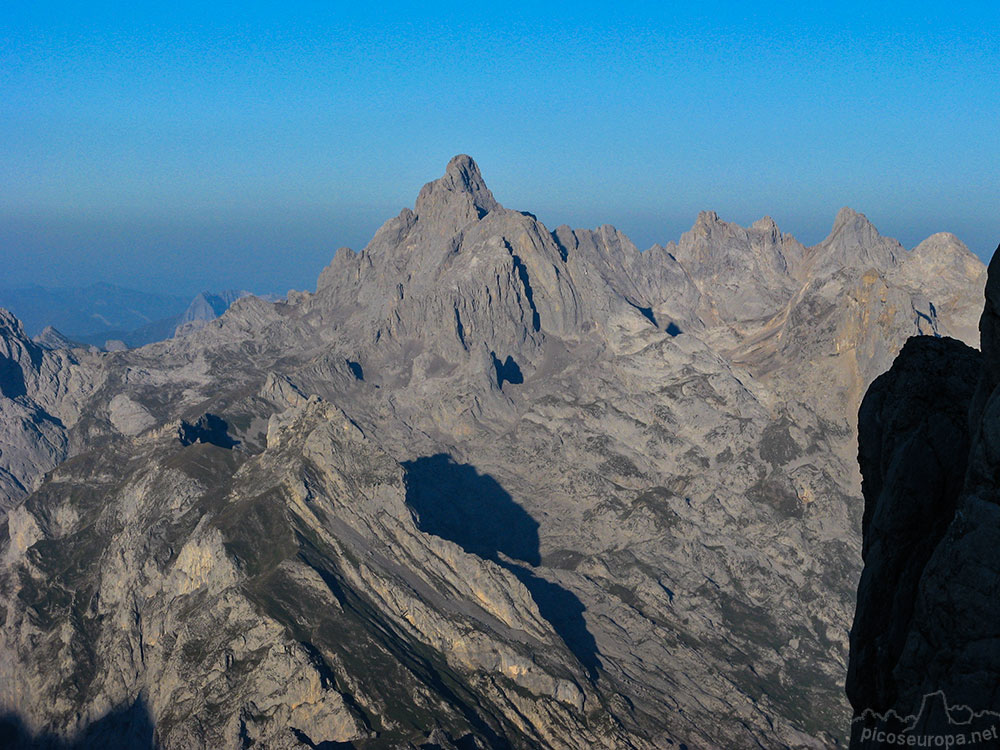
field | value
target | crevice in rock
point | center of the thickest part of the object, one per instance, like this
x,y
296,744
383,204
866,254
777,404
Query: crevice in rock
x,y
522,274
460,329
563,251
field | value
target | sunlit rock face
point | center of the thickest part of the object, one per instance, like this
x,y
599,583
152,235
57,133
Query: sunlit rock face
x,y
490,485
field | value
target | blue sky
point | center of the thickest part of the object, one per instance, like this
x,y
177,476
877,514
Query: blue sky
x,y
176,146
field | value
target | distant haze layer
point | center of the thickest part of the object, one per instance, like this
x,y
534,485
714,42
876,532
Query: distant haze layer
x,y
194,147
271,258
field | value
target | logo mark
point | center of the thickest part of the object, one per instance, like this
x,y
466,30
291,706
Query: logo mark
x,y
937,724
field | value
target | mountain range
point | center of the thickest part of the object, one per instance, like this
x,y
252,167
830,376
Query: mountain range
x,y
489,485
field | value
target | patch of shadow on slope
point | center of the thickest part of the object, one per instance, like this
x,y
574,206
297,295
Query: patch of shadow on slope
x,y
323,745
127,728
507,371
12,382
455,502
564,611
356,369
208,429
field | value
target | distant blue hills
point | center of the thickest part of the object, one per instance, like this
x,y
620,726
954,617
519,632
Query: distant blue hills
x,y
99,313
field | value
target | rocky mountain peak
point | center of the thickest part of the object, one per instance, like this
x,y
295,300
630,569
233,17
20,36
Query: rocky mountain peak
x,y
52,338
459,197
852,229
706,220
945,249
854,241
848,216
765,224
18,354
10,325
464,169
942,255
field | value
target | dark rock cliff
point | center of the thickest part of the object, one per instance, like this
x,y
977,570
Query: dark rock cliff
x,y
925,645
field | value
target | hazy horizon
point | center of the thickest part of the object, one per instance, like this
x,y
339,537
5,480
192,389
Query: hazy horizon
x,y
310,256
186,149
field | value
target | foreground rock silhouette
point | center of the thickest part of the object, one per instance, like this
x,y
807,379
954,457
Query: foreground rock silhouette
x,y
928,620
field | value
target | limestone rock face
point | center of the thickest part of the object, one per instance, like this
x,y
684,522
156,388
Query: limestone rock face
x,y
490,485
40,395
854,241
457,199
748,273
926,621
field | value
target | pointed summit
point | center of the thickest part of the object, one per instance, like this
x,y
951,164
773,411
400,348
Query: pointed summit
x,y
943,255
854,241
463,171
707,218
853,227
51,338
458,198
766,224
19,356
848,215
10,325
